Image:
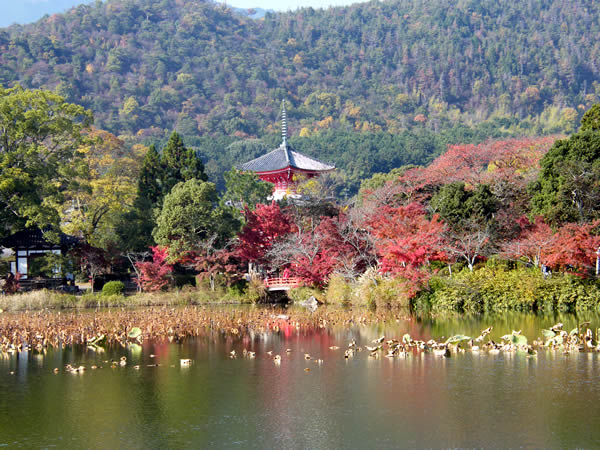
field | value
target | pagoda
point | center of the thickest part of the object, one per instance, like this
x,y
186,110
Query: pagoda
x,y
284,166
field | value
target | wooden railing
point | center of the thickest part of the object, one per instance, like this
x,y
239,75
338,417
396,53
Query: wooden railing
x,y
283,283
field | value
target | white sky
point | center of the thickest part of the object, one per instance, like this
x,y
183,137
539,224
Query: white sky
x,y
286,5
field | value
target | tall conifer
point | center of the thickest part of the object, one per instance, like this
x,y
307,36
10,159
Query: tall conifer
x,y
180,164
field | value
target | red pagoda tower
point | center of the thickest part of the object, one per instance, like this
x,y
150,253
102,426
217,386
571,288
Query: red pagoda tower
x,y
284,165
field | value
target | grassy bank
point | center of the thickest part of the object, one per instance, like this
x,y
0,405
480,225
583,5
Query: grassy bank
x,y
44,299
488,288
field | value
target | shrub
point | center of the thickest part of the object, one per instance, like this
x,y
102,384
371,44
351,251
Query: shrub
x,y
303,293
375,290
113,288
256,291
498,289
339,291
391,293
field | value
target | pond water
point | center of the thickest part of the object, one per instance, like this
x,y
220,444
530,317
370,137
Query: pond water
x,y
467,400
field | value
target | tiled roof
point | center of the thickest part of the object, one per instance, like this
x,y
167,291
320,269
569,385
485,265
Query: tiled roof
x,y
282,157
33,238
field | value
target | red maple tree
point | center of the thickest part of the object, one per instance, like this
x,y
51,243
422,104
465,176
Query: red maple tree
x,y
155,274
406,240
263,226
535,243
576,247
330,247
223,262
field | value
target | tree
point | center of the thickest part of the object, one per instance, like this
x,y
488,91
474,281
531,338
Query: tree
x,y
265,225
245,189
92,261
40,135
108,190
223,263
157,176
568,186
456,205
315,254
155,274
190,214
577,246
535,242
591,119
405,238
150,188
179,164
469,244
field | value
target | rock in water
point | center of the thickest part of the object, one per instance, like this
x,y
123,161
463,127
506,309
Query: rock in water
x,y
311,303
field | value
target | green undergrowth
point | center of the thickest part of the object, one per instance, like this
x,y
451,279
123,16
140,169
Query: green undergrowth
x,y
500,289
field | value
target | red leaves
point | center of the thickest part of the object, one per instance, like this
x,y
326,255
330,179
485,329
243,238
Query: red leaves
x,y
263,225
11,283
406,240
223,262
323,251
575,245
535,242
154,275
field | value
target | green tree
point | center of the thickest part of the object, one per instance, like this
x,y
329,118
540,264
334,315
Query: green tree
x,y
591,119
457,205
107,191
191,217
568,185
179,164
158,175
245,189
39,159
150,190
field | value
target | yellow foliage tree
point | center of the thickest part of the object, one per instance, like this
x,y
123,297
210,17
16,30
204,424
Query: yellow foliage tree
x,y
91,209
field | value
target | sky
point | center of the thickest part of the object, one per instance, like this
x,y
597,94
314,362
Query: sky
x,y
26,11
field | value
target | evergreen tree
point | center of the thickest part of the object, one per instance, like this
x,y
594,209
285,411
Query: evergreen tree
x,y
179,164
150,181
159,174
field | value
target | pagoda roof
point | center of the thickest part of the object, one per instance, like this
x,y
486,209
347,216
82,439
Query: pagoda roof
x,y
283,157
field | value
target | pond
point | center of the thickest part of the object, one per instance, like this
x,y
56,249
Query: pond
x,y
470,399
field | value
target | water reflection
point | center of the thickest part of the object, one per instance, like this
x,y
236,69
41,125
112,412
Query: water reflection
x,y
468,400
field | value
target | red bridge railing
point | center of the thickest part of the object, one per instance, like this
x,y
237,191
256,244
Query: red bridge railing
x,y
289,282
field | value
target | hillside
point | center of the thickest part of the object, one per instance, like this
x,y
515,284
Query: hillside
x,y
484,68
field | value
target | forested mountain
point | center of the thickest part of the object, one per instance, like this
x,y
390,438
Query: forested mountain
x,y
379,72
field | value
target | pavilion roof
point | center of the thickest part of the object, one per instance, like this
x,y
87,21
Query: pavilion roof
x,y
33,238
282,157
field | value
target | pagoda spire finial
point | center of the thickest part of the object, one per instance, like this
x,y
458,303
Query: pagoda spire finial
x,y
283,124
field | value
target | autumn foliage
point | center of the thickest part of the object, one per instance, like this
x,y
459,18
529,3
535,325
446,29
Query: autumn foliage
x,y
471,204
263,226
154,275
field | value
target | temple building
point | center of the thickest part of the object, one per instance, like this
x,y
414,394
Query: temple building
x,y
29,245
284,166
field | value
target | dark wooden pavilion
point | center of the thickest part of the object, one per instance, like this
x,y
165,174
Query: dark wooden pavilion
x,y
30,244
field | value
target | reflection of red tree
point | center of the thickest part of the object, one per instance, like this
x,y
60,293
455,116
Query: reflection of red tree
x,y
160,349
